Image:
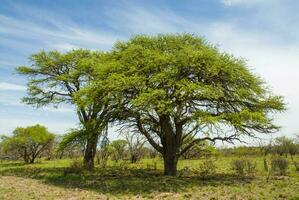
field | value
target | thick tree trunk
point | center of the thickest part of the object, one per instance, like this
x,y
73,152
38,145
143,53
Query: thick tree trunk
x,y
90,152
133,159
170,157
170,164
170,142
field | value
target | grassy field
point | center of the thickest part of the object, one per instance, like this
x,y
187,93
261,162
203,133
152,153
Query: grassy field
x,y
144,180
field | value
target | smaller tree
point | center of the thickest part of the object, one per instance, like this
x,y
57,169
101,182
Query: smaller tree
x,y
117,149
28,143
135,143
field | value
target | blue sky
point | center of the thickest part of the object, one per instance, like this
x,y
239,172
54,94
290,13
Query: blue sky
x,y
265,32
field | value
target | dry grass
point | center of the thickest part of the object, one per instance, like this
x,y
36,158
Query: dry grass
x,y
12,188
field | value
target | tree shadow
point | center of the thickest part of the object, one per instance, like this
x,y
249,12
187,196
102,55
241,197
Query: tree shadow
x,y
116,181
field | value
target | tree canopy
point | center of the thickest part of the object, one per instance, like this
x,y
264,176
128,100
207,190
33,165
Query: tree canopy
x,y
176,87
56,78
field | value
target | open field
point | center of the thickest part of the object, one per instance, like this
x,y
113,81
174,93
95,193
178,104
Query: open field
x,y
144,180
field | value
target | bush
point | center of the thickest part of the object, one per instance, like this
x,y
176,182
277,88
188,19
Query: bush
x,y
207,168
243,166
280,165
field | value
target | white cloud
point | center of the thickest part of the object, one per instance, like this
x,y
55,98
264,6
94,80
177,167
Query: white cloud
x,y
241,2
11,87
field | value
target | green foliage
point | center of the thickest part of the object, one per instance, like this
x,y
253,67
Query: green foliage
x,y
74,138
200,149
279,165
55,77
154,65
117,149
28,143
243,151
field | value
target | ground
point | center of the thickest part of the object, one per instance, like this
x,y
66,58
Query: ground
x,y
144,180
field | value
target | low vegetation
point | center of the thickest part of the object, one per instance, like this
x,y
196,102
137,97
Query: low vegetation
x,y
56,179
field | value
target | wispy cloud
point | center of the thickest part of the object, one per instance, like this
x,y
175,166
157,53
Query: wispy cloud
x,y
138,20
11,87
61,36
242,2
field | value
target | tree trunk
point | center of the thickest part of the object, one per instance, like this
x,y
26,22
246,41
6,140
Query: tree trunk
x,y
170,164
170,143
25,156
90,152
32,160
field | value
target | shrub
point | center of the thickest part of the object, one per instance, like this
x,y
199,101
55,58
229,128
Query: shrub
x,y
280,165
243,166
207,168
239,166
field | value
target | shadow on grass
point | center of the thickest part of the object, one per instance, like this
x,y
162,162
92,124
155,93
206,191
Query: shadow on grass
x,y
116,181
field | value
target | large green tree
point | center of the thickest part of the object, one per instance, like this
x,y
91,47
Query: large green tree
x,y
179,89
56,78
29,142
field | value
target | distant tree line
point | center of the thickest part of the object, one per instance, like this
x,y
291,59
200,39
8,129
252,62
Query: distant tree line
x,y
33,142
